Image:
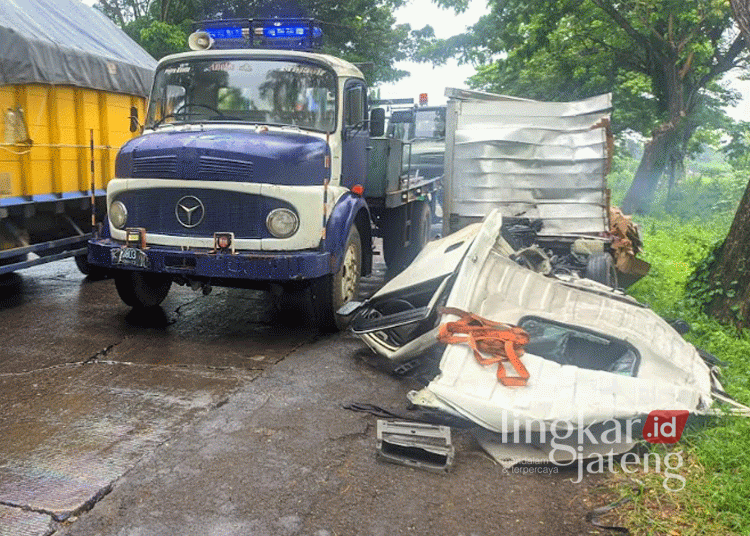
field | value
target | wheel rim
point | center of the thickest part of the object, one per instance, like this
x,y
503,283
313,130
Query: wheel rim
x,y
349,274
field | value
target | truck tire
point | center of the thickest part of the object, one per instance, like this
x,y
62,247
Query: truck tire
x,y
330,292
142,289
93,272
601,268
421,224
396,253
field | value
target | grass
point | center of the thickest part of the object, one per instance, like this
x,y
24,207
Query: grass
x,y
716,497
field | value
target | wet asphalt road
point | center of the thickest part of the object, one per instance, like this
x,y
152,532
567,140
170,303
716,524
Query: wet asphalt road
x,y
209,417
87,386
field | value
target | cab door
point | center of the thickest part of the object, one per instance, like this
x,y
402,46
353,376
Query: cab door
x,y
355,135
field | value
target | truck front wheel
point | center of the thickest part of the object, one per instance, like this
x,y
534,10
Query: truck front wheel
x,y
330,292
142,289
396,253
93,272
421,224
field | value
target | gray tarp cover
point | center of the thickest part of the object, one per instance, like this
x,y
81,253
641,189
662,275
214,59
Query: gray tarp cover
x,y
68,43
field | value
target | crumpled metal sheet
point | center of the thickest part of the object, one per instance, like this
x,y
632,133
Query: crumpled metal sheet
x,y
671,373
534,159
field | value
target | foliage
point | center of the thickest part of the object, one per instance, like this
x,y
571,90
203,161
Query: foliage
x,y
565,50
646,510
168,11
722,450
710,189
661,59
717,456
363,31
679,247
158,38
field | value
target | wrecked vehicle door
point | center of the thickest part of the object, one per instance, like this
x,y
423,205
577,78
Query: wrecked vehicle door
x,y
593,354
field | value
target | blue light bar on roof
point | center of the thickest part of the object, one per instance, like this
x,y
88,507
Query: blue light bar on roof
x,y
289,34
225,33
285,34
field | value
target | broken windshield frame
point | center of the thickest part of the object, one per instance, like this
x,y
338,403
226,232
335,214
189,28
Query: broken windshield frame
x,y
571,345
244,90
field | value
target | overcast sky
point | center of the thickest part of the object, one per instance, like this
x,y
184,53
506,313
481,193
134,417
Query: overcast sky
x,y
424,77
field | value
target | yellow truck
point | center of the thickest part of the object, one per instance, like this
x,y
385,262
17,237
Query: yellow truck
x,y
69,81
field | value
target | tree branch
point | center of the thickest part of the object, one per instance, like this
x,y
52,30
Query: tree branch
x,y
115,10
723,64
615,15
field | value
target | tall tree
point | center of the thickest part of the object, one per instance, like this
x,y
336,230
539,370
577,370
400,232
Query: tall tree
x,y
662,59
159,26
727,283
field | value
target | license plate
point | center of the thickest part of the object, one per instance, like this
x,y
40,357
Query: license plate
x,y
130,257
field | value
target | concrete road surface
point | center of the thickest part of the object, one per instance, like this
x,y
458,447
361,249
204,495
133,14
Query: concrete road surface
x,y
208,417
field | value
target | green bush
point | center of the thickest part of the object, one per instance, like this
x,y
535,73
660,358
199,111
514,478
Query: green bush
x,y
674,248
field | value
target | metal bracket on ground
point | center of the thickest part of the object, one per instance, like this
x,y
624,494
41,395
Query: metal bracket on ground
x,y
419,445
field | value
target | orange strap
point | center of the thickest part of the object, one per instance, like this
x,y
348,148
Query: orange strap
x,y
502,341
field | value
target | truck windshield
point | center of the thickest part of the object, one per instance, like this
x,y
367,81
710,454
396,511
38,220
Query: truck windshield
x,y
419,123
271,92
429,123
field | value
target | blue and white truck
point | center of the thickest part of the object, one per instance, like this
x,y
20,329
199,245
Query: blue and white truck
x,y
259,167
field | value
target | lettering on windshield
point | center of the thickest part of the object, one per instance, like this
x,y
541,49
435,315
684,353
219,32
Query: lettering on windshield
x,y
306,70
222,66
180,69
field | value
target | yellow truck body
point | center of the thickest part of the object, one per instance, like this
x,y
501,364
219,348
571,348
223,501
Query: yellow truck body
x,y
66,96
56,159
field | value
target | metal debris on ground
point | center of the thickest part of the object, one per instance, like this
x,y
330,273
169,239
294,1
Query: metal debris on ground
x,y
419,445
593,354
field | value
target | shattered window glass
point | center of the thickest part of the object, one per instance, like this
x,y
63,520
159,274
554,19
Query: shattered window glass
x,y
569,345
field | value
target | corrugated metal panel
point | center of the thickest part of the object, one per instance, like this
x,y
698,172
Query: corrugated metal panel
x,y
528,158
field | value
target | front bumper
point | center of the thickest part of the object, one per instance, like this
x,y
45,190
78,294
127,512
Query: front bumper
x,y
202,263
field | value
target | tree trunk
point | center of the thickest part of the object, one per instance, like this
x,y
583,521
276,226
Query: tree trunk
x,y
741,9
656,156
731,271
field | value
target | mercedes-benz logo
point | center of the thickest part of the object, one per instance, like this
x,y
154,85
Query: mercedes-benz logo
x,y
189,211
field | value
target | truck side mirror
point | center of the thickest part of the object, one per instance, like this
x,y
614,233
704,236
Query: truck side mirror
x,y
134,123
377,122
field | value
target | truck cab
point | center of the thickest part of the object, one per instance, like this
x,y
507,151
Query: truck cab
x,y
423,127
249,172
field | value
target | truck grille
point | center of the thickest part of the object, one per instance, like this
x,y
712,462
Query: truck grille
x,y
155,166
224,211
208,168
211,165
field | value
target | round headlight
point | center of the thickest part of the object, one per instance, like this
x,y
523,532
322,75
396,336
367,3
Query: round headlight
x,y
282,222
118,214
